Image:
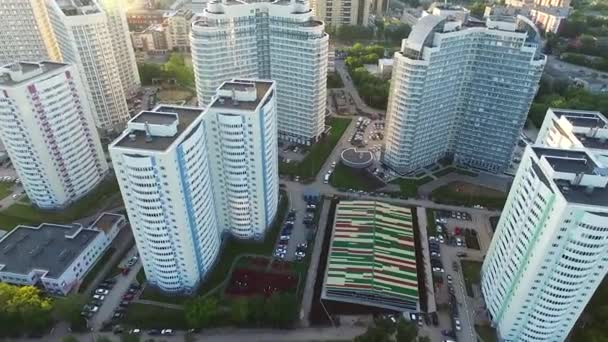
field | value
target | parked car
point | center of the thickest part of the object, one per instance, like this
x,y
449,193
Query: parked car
x,y
102,291
99,297
167,332
457,324
154,332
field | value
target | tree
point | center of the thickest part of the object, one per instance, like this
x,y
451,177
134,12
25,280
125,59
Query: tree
x,y
373,334
477,9
397,32
23,309
406,331
239,310
424,339
148,72
103,339
176,67
201,312
256,315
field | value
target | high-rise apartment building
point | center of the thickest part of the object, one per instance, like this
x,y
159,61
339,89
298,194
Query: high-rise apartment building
x,y
25,32
243,155
188,175
461,91
348,12
123,49
277,40
48,130
82,31
178,30
550,249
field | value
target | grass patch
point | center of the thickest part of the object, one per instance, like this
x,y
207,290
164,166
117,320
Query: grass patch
x,y
141,276
409,187
95,270
86,206
486,332
5,189
358,179
311,164
230,250
471,271
460,193
431,225
144,316
451,169
334,80
174,95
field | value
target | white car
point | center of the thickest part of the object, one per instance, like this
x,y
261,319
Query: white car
x,y
99,297
94,309
457,324
459,242
168,332
333,164
102,291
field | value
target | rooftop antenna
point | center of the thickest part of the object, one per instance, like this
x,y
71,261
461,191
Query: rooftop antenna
x,y
148,134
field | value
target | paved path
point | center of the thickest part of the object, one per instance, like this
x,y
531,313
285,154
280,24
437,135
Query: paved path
x,y
162,305
314,265
350,88
346,333
422,224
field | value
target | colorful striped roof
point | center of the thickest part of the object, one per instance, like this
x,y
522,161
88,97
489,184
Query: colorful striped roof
x,y
372,251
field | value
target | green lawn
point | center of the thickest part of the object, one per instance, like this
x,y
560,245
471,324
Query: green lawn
x,y
409,187
230,250
348,178
451,169
471,271
144,316
487,333
95,270
5,189
88,205
460,193
311,164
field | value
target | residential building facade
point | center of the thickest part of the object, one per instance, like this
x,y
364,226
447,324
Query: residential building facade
x,y
152,40
549,252
348,12
178,30
121,42
189,175
461,91
277,40
242,120
140,19
48,130
25,32
57,257
85,40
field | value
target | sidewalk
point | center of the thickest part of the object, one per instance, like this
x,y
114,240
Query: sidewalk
x,y
430,289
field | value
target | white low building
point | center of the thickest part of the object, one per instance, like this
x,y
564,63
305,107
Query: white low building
x,y
55,257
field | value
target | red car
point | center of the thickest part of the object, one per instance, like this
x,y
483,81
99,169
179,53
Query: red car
x,y
457,231
127,297
125,270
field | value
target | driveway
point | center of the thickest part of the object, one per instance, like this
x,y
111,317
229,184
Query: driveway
x,y
114,297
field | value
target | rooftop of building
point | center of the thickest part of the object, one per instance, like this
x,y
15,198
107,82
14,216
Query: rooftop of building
x,y
78,7
372,255
21,72
584,195
582,118
162,115
106,221
49,247
568,161
229,94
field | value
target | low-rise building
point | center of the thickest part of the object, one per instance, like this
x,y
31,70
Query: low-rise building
x,y
140,19
53,256
385,67
372,257
152,40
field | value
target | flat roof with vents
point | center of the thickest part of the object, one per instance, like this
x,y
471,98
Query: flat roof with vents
x,y
48,247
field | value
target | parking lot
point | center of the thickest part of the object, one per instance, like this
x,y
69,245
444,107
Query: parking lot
x,y
460,236
296,231
110,299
